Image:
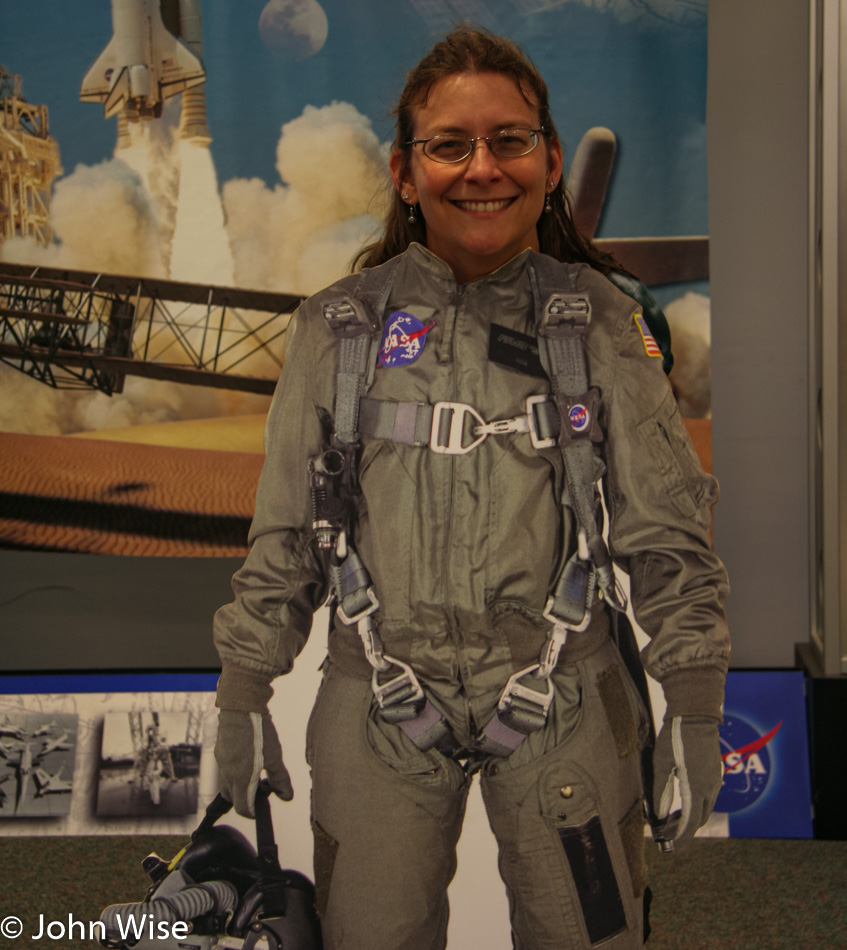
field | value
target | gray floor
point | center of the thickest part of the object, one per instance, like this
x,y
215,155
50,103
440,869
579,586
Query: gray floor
x,y
720,895
750,894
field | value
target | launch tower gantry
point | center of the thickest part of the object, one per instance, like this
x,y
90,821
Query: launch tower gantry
x,y
29,163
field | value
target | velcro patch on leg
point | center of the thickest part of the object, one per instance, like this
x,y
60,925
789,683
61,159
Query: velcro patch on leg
x,y
326,848
613,694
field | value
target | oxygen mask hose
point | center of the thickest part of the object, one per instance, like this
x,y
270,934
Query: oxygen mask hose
x,y
129,924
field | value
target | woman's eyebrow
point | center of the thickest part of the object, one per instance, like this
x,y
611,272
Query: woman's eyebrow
x,y
437,129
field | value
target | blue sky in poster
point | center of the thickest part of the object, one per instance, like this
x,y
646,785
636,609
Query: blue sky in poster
x,y
636,66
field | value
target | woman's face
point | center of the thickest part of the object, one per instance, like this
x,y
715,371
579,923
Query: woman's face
x,y
482,211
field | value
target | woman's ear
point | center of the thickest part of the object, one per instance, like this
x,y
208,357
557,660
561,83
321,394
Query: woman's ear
x,y
402,177
554,156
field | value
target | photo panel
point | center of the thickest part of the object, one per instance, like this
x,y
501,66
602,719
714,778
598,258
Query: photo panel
x,y
37,758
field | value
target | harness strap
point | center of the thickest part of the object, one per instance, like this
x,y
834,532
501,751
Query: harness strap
x,y
403,701
406,422
356,322
562,318
352,357
569,418
455,428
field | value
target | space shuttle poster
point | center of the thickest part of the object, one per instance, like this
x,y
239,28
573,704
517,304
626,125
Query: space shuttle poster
x,y
176,175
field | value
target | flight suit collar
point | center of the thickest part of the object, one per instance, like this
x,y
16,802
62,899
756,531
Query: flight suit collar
x,y
423,257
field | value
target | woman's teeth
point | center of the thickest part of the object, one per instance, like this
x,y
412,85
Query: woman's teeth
x,y
484,205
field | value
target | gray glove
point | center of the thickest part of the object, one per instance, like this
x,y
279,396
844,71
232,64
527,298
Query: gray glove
x,y
688,749
247,743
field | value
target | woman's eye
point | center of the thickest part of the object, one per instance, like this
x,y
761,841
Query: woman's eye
x,y
448,146
513,138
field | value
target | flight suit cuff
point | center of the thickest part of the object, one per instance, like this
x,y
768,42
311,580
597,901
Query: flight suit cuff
x,y
695,692
244,690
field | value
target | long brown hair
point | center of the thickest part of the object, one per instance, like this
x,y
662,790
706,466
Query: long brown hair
x,y
468,49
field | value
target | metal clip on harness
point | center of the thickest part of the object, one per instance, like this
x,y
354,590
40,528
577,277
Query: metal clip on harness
x,y
449,420
400,697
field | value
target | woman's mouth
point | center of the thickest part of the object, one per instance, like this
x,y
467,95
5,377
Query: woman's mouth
x,y
482,206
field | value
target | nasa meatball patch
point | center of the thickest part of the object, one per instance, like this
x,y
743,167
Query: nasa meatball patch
x,y
403,339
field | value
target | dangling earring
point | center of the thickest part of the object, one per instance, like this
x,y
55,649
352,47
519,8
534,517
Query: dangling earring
x,y
412,216
548,206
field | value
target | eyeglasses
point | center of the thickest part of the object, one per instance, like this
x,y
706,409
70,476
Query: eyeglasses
x,y
507,143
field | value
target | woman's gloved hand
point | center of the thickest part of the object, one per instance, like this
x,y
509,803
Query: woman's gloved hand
x,y
247,743
688,749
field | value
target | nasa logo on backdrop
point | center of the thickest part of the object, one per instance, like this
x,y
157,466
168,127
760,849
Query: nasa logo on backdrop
x,y
747,760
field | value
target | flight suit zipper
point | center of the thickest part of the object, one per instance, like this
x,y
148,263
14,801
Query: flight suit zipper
x,y
455,633
448,349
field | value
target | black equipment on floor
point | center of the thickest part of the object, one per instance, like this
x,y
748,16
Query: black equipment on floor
x,y
219,893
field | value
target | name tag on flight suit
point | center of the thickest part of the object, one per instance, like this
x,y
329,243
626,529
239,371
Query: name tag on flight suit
x,y
514,350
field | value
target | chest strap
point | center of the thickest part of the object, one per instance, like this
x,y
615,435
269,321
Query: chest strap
x,y
455,428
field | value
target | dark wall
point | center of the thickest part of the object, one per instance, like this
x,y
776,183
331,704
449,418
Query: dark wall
x,y
96,612
757,120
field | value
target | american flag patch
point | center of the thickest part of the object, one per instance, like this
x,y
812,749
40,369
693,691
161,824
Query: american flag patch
x,y
650,345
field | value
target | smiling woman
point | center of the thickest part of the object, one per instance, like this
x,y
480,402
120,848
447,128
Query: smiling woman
x,y
478,69
482,209
433,454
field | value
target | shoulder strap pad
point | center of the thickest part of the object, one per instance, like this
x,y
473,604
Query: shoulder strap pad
x,y
562,317
356,321
559,309
361,312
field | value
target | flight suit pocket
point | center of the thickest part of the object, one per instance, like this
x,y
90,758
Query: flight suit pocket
x,y
570,808
687,485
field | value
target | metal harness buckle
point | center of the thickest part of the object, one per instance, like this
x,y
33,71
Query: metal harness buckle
x,y
532,420
566,315
364,623
514,690
372,607
548,614
459,411
558,637
403,689
347,317
456,432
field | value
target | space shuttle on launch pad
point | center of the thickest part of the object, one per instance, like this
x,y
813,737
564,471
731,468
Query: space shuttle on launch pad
x,y
147,61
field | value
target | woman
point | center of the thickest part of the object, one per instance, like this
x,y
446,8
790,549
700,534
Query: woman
x,y
449,518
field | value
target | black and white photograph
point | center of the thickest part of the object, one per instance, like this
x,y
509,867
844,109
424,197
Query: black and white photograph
x,y
37,754
149,764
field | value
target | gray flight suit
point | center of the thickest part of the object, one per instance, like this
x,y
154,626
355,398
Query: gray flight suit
x,y
463,551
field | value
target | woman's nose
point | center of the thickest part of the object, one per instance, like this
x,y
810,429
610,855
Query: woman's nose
x,y
482,161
